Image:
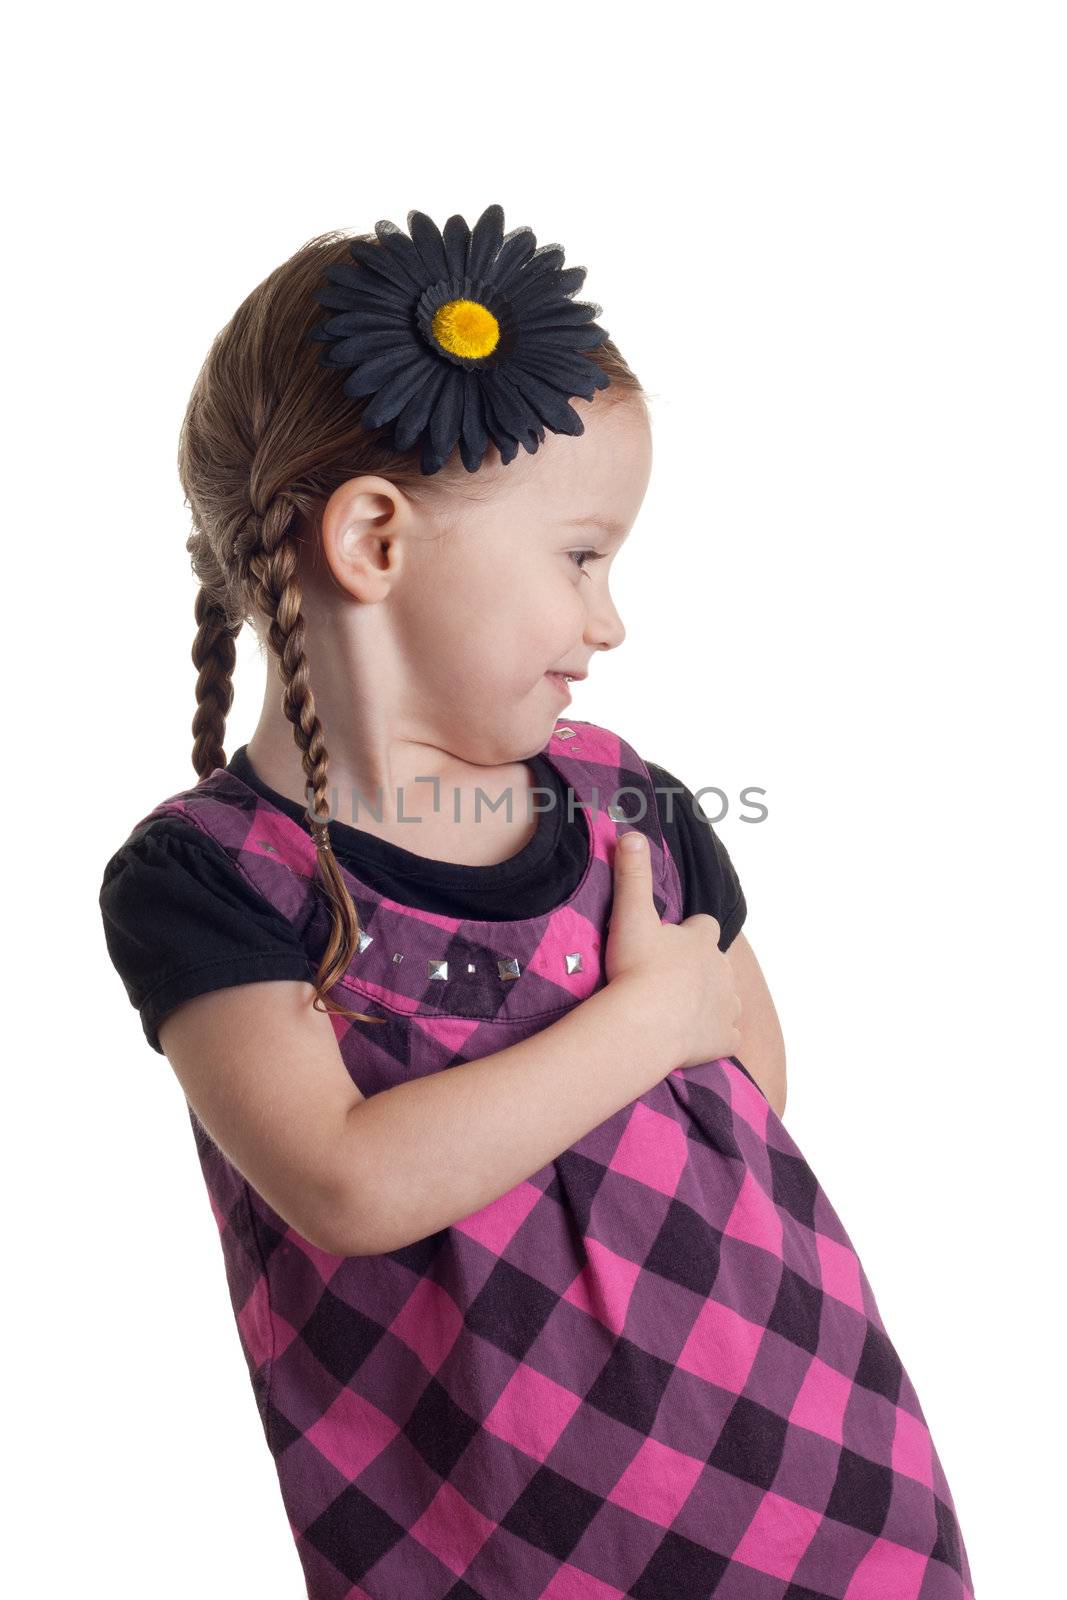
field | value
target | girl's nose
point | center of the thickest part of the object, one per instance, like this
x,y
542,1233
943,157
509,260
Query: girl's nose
x,y
604,629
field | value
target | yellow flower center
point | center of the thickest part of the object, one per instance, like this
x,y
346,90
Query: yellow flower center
x,y
466,328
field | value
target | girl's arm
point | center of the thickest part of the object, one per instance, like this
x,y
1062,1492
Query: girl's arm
x,y
264,1074
356,1176
762,1047
363,1176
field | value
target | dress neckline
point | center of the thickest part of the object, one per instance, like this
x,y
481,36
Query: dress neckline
x,y
375,851
359,847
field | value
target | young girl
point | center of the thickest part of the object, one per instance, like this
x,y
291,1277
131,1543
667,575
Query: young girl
x,y
538,1296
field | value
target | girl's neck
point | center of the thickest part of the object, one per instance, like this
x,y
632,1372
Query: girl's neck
x,y
476,820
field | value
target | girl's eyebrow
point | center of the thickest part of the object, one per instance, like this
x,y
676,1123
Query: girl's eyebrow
x,y
609,524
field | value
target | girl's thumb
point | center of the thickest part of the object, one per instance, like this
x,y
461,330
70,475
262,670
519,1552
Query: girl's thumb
x,y
633,867
633,910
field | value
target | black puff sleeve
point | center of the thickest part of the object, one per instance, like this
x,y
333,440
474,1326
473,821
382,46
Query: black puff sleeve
x,y
180,920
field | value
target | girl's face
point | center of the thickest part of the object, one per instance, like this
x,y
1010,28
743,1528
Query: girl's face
x,y
518,588
467,605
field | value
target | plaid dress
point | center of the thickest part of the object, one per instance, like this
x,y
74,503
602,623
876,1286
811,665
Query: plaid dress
x,y
653,1369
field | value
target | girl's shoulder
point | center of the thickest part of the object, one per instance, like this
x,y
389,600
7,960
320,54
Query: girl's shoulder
x,y
163,853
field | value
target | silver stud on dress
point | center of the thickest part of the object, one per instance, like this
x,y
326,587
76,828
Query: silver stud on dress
x,y
509,968
436,969
471,967
364,940
564,733
574,962
399,956
617,814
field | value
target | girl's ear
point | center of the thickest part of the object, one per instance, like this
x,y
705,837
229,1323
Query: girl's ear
x,y
363,523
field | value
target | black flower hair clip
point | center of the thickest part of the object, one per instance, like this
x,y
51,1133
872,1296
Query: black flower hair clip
x,y
462,336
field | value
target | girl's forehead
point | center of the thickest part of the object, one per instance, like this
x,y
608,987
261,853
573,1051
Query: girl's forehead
x,y
593,482
598,475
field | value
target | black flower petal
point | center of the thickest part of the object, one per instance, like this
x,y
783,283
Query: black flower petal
x,y
392,397
360,347
543,261
558,413
380,371
457,238
447,416
430,245
518,247
570,338
416,414
571,373
461,336
377,285
487,236
403,252
473,439
381,264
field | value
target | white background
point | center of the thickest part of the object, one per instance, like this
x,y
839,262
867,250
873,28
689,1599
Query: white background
x,y
830,240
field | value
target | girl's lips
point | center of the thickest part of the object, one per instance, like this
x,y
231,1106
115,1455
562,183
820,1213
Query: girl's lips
x,y
560,683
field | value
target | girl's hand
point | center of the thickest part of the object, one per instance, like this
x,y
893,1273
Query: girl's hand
x,y
679,967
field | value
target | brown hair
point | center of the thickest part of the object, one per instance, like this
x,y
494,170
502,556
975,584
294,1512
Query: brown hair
x,y
268,435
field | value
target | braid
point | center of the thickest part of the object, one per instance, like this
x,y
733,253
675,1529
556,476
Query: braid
x,y
273,574
214,656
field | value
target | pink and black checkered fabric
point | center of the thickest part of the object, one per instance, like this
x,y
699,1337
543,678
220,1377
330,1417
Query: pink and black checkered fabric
x,y
653,1369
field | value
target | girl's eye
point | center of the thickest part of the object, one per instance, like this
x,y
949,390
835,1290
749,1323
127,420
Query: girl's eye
x,y
582,556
